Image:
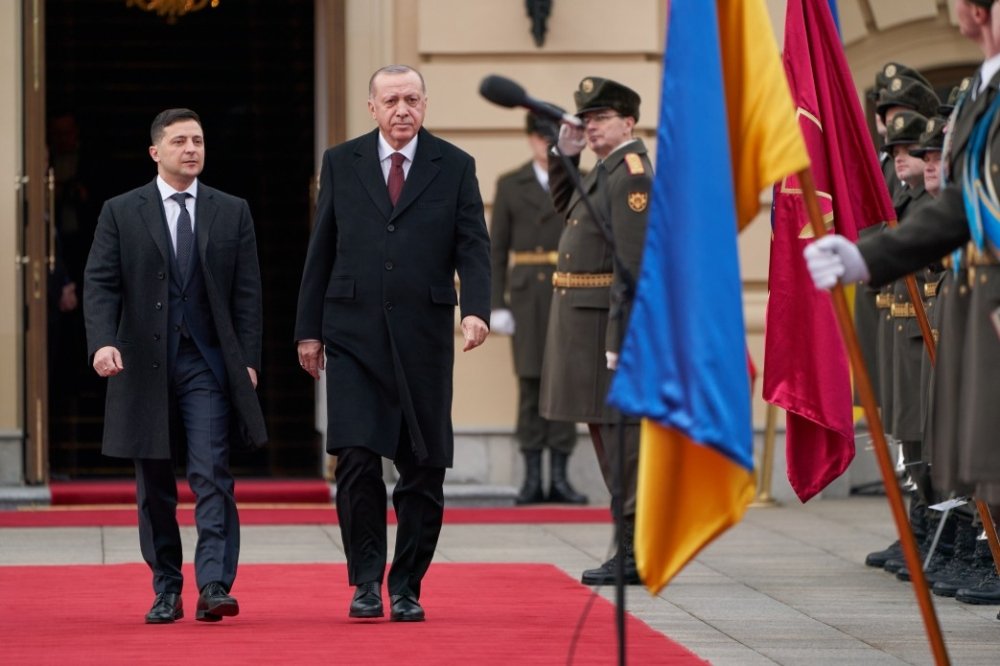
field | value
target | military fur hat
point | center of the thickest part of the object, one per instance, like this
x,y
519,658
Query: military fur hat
x,y
932,139
905,129
909,93
891,70
954,95
595,93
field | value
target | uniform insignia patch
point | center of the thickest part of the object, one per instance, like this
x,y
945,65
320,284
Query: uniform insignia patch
x,y
637,201
966,82
898,123
634,164
930,125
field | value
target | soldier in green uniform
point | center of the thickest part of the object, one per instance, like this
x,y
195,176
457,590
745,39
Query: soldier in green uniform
x,y
588,314
524,234
969,358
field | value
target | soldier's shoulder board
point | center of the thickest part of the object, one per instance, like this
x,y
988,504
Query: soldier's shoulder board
x,y
634,164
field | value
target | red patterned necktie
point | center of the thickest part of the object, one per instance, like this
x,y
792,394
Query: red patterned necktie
x,y
396,177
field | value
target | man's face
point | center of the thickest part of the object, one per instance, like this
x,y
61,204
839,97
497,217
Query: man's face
x,y
909,169
180,152
965,14
606,129
932,172
539,149
398,104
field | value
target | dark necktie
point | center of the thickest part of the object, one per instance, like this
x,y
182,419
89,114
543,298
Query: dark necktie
x,y
185,235
396,177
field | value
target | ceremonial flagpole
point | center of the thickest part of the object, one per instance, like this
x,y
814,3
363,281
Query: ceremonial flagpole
x,y
867,395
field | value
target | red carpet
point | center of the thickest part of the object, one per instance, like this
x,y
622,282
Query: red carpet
x,y
299,515
477,614
122,491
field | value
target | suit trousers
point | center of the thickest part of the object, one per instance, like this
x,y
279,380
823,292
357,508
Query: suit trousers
x,y
418,499
204,412
535,432
615,444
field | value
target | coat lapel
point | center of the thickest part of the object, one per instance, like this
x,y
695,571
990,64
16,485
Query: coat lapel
x,y
205,212
151,212
369,172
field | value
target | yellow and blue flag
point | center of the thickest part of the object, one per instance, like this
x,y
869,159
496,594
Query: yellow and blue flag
x,y
727,130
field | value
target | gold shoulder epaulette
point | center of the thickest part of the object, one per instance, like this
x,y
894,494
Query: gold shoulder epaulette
x,y
634,164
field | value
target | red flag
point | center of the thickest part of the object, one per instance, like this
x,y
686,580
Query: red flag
x,y
806,370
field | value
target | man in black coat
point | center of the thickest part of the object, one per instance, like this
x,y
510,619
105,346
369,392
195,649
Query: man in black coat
x,y
377,310
172,303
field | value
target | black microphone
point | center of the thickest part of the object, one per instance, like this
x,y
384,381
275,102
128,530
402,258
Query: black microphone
x,y
504,92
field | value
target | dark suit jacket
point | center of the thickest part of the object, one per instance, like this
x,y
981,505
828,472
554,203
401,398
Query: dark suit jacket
x,y
378,288
126,295
524,220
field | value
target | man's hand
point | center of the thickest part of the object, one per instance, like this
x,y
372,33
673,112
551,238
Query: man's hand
x,y
502,322
571,140
108,362
833,257
253,376
612,360
311,357
475,331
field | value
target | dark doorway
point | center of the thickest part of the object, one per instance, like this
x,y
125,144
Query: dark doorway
x,y
247,68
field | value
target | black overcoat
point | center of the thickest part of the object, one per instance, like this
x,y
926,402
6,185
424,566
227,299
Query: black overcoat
x,y
378,288
125,301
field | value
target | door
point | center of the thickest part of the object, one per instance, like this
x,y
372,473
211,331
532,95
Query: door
x,y
38,242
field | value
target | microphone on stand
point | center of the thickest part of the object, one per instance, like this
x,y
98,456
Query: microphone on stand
x,y
504,92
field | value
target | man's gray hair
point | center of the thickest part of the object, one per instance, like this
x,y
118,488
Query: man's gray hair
x,y
394,69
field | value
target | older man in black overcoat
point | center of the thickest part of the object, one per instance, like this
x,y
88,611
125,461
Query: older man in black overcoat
x,y
399,212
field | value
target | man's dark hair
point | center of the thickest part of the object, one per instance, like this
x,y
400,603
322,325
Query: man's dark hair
x,y
165,119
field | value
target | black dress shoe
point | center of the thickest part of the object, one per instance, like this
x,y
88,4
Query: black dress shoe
x,y
167,607
367,601
214,603
406,609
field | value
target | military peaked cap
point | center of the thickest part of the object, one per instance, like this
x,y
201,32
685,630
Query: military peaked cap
x,y
905,129
932,139
909,93
595,93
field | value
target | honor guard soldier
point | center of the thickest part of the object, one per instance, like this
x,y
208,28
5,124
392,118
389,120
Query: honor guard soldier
x,y
524,234
589,312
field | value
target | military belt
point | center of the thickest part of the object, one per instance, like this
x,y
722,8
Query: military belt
x,y
534,258
581,280
903,310
883,301
930,289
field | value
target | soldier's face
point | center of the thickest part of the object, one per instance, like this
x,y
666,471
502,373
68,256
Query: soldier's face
x,y
397,104
932,172
908,168
606,130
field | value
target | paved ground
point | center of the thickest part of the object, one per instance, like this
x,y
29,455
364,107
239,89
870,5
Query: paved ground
x,y
786,586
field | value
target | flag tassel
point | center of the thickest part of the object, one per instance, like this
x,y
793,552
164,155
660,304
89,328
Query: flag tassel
x,y
867,395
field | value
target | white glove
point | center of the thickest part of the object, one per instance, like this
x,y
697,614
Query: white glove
x,y
502,322
833,257
612,359
571,140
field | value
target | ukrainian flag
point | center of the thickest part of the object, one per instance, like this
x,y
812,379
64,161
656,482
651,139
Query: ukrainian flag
x,y
727,130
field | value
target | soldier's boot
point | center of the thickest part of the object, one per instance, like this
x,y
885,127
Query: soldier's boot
x,y
963,550
878,558
945,546
531,490
919,525
986,593
560,491
607,572
969,576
